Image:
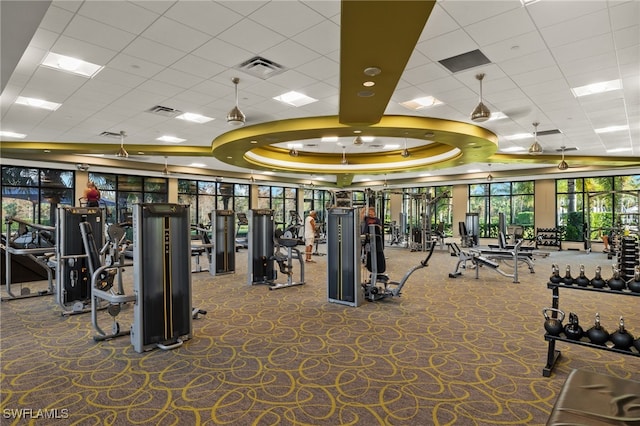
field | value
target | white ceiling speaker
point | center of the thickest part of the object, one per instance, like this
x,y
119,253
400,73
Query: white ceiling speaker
x,y
235,116
535,148
122,153
481,113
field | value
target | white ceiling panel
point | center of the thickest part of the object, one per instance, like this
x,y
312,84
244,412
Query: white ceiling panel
x,y
174,34
504,26
127,16
94,32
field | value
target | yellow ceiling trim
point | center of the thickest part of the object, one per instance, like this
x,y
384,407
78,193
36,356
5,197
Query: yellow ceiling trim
x,y
376,35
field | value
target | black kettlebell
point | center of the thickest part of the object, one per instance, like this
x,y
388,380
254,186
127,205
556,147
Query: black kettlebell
x,y
567,279
555,274
573,330
597,280
634,284
621,339
553,324
615,282
597,334
582,280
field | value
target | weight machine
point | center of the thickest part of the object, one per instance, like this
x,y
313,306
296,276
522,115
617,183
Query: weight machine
x,y
422,235
490,259
73,279
33,245
162,311
265,248
343,256
623,221
223,253
379,284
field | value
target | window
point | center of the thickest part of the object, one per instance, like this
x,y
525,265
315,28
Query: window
x,y
432,204
281,200
120,192
207,196
33,194
515,200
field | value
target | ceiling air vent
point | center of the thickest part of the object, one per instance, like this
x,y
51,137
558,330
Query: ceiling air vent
x,y
464,61
110,134
549,132
261,67
164,111
567,149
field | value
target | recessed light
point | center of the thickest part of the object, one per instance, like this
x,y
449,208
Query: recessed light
x,y
329,139
614,150
71,65
372,71
37,103
391,146
369,83
513,149
366,93
193,117
7,134
600,87
294,98
425,175
198,165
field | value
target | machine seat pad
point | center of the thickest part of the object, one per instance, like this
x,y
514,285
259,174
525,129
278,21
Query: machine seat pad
x,y
596,399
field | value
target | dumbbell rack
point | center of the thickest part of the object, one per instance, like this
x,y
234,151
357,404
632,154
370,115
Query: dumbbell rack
x,y
552,354
628,257
549,237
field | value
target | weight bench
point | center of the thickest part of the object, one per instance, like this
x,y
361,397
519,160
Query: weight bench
x,y
588,398
475,256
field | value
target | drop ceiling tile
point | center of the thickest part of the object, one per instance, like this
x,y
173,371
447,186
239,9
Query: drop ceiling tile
x,y
583,49
322,38
439,23
197,66
177,78
176,35
423,74
289,54
321,68
112,76
593,76
547,14
627,37
577,29
270,16
223,53
94,32
593,64
29,63
56,19
537,60
469,11
52,85
133,65
518,47
153,52
501,27
625,14
127,16
250,36
160,88
447,45
43,39
538,76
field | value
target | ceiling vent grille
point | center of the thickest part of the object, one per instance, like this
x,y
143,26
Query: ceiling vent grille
x,y
549,132
164,111
261,67
567,149
110,134
465,61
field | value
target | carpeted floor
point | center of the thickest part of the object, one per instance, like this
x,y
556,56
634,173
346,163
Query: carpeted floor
x,y
447,352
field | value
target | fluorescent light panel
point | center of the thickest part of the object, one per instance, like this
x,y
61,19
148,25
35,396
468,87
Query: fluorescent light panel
x,y
195,118
600,87
37,103
615,150
421,103
170,139
71,65
611,129
295,99
7,134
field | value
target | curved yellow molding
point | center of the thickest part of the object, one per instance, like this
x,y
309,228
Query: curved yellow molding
x,y
447,144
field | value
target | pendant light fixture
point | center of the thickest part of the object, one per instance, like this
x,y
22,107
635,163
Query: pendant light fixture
x,y
358,140
405,151
563,164
165,171
235,116
344,161
293,152
489,176
481,113
122,153
251,178
535,148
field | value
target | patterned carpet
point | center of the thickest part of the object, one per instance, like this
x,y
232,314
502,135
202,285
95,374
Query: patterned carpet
x,y
447,352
